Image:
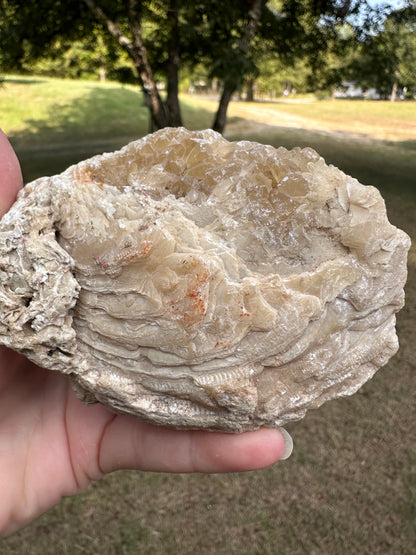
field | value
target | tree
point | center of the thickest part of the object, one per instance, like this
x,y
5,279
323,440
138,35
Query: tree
x,y
231,80
386,58
159,35
81,58
136,49
302,43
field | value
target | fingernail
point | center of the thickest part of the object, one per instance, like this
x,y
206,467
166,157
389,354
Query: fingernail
x,y
288,444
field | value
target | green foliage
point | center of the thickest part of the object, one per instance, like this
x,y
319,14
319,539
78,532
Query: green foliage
x,y
29,30
276,78
63,35
388,56
79,58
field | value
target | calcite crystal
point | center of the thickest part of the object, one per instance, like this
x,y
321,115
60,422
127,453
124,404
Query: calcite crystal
x,y
198,283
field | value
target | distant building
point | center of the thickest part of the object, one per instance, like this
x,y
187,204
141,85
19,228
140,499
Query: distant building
x,y
351,89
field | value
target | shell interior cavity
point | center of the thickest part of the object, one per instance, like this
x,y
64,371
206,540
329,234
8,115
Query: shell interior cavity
x,y
199,283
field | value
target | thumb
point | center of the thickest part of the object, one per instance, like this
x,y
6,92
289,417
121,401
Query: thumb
x,y
10,175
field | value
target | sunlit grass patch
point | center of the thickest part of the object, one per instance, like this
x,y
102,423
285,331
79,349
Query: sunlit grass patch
x,y
43,111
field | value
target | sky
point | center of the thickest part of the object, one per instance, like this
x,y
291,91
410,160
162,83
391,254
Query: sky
x,y
393,3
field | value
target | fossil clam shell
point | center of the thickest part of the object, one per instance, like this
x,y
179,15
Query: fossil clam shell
x,y
198,283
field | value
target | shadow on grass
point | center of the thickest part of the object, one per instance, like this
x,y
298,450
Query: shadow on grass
x,y
22,80
407,145
103,120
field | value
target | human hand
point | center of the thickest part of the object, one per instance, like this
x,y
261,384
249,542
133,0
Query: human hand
x,y
52,445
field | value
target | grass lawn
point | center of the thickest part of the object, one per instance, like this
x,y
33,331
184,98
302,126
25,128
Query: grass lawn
x,y
54,122
380,119
41,112
35,111
350,485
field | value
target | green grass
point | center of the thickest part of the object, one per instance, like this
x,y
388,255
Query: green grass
x,y
38,109
41,112
35,111
350,485
54,122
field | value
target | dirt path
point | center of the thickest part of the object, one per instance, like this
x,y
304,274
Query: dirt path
x,y
254,114
272,116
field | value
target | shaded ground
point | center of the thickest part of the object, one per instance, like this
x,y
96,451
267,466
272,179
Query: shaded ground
x,y
350,485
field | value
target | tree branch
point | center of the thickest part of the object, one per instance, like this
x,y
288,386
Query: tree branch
x,y
137,52
250,31
114,28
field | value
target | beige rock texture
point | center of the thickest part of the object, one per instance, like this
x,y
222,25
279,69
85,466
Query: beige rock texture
x,y
203,284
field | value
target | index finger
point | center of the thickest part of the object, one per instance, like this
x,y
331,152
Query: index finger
x,y
10,174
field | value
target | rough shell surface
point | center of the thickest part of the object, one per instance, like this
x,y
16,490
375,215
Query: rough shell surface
x,y
199,283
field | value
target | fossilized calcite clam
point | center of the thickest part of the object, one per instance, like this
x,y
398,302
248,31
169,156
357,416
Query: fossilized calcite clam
x,y
200,283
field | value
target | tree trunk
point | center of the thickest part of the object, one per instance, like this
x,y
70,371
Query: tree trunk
x,y
172,103
103,73
242,48
394,92
137,51
221,115
250,90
